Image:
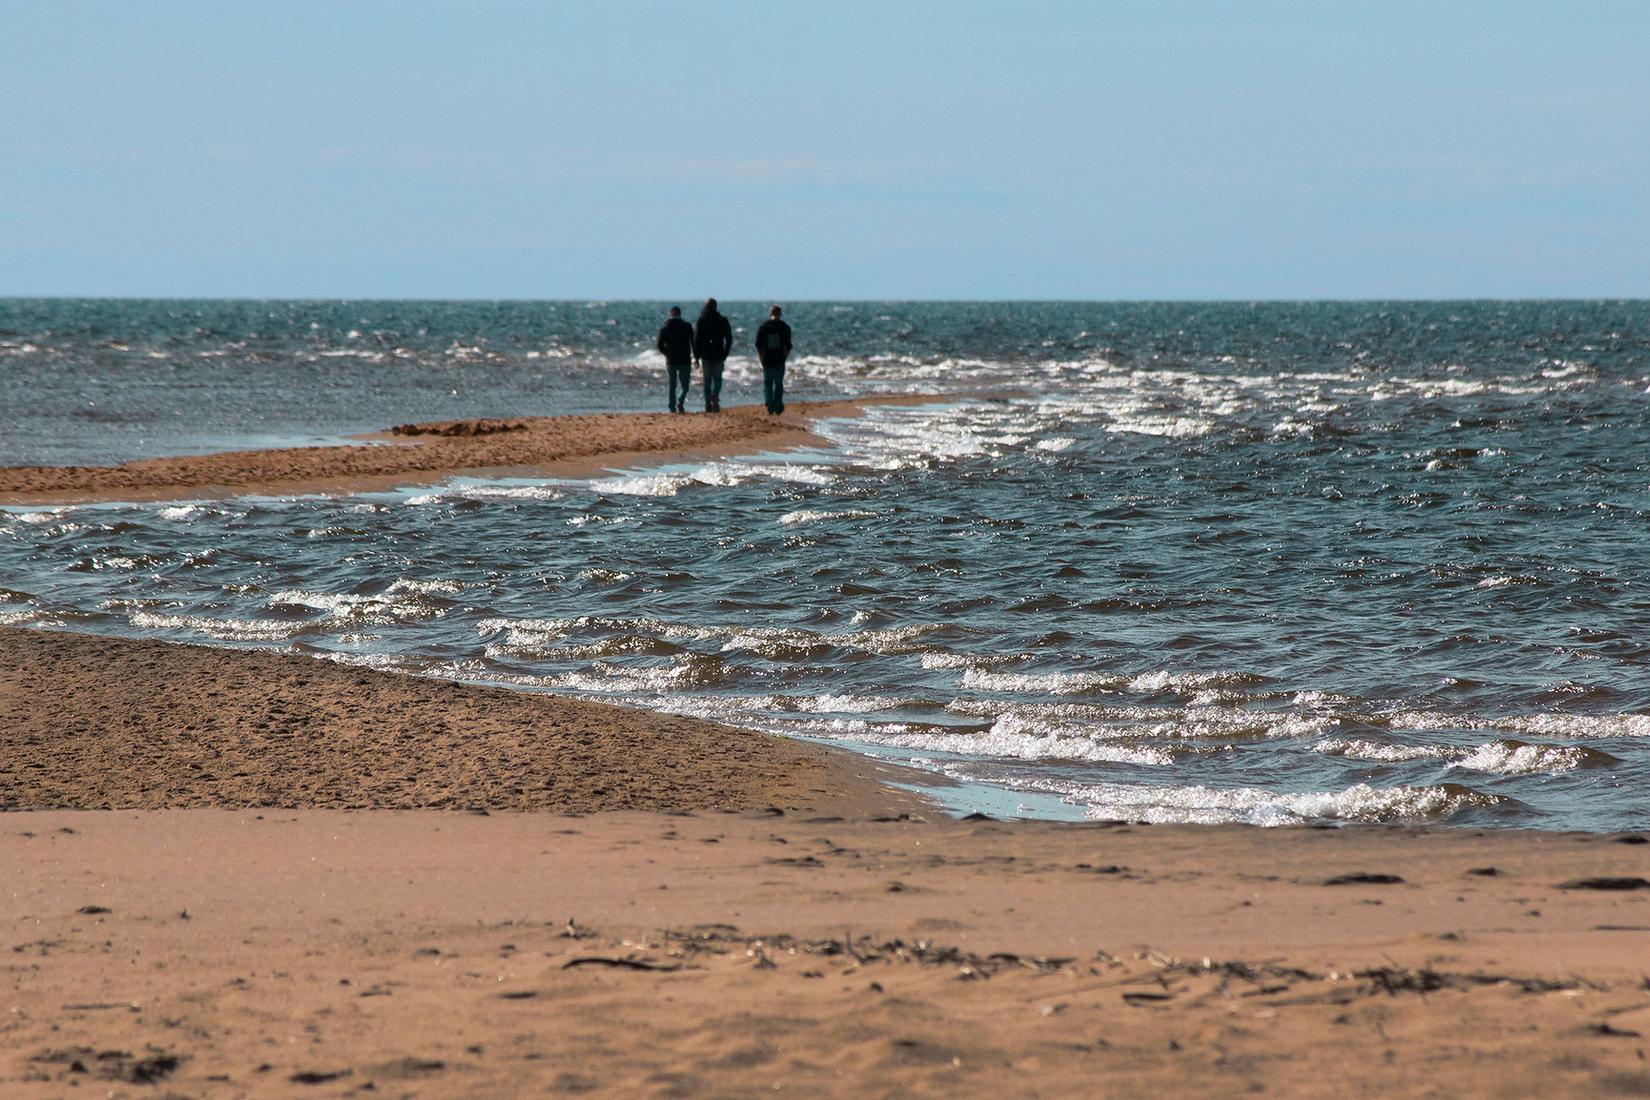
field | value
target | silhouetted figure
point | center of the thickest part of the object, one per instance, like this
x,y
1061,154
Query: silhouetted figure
x,y
676,341
773,347
712,340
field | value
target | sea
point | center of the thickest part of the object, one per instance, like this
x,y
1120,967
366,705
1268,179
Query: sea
x,y
1269,562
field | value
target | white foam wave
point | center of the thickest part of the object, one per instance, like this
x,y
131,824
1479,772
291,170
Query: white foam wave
x,y
1170,427
343,607
1565,727
1198,805
1164,724
775,642
238,630
511,492
1022,746
802,475
1376,752
832,701
1067,683
1508,581
604,576
1512,758
642,485
806,515
890,641
435,585
535,634
1169,680
603,679
935,659
1496,757
1056,683
668,484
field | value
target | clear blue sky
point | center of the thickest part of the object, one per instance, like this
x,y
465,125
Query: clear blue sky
x,y
826,150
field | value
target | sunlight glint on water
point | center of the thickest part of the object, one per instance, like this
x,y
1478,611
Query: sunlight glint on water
x,y
1171,563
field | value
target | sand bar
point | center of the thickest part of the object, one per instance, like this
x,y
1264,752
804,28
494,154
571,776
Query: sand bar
x,y
832,948
421,453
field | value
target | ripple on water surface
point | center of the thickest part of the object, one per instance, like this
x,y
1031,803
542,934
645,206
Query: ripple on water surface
x,y
1265,564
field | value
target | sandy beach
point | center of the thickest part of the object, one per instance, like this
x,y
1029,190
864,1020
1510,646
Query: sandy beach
x,y
103,723
786,927
410,454
882,552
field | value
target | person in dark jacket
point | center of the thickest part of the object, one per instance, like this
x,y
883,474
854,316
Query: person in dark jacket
x,y
676,342
773,347
712,340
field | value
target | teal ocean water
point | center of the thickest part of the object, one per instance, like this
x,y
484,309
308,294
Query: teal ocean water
x,y
1267,562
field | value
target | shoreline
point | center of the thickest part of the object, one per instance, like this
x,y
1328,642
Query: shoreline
x,y
91,722
356,880
425,453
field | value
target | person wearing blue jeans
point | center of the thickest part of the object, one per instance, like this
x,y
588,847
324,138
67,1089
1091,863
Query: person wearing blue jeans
x,y
712,340
773,347
676,343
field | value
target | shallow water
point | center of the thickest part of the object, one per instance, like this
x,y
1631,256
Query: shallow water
x,y
1176,563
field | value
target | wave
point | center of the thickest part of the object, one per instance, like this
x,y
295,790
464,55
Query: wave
x,y
1013,739
1200,805
641,485
807,515
1497,757
1072,683
1171,427
404,601
227,629
1519,758
1570,727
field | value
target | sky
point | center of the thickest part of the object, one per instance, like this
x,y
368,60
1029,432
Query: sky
x,y
784,150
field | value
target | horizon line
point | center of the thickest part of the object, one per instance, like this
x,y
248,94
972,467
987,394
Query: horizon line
x,y
600,299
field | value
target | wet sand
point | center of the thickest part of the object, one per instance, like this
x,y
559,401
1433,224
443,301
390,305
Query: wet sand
x,y
412,454
828,937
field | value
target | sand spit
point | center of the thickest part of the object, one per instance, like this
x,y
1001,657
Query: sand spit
x,y
228,953
93,723
422,453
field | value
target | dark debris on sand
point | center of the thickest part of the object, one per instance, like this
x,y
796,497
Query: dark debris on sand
x,y
454,428
114,1065
861,950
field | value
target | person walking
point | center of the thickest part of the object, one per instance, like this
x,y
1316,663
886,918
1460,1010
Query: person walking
x,y
712,340
676,342
773,347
